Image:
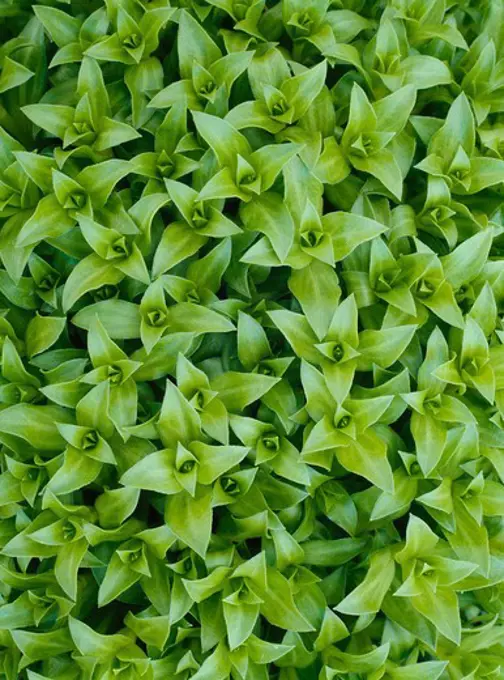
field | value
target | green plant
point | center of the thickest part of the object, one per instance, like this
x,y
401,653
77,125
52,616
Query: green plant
x,y
251,340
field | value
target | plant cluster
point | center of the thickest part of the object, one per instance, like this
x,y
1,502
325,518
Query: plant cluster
x,y
251,340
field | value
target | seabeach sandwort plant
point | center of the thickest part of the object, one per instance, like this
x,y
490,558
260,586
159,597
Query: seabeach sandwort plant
x,y
251,340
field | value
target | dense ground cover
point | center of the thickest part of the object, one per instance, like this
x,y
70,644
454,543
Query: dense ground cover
x,y
252,371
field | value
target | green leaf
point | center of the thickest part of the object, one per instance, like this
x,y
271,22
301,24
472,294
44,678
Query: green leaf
x,y
298,333
76,472
367,456
63,28
368,596
55,119
36,424
317,289
17,614
178,420
458,130
270,160
48,221
93,644
42,332
118,578
464,263
301,90
114,506
424,71
238,390
485,172
348,231
208,271
382,165
278,605
224,140
41,646
253,344
441,608
268,215
384,347
428,670
67,565
470,539
393,112
178,242
332,553
155,472
194,45
240,618
38,168
214,461
162,359
13,75
100,179
190,518
187,317
120,318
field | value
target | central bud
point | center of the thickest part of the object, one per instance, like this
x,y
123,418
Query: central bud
x,y
363,146
199,217
193,296
230,486
433,405
425,289
271,441
338,352
312,238
105,292
135,555
472,367
48,282
69,531
32,474
199,400
343,422
414,468
248,178
387,280
459,175
279,108
75,200
207,88
304,24
120,247
264,369
240,9
90,440
82,128
186,467
115,374
165,165
156,318
132,41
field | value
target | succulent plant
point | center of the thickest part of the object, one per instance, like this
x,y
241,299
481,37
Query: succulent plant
x,y
252,340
